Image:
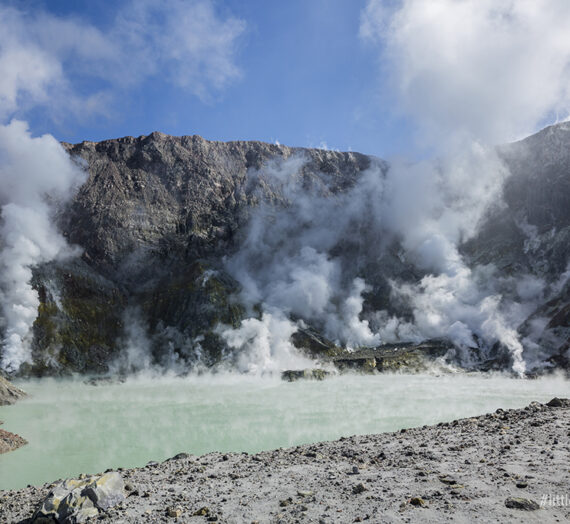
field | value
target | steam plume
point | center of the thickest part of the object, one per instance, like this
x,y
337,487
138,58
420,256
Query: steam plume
x,y
471,74
35,175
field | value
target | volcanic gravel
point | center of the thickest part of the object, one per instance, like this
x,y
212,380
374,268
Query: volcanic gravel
x,y
497,467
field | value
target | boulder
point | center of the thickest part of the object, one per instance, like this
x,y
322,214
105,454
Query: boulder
x,y
558,402
77,500
522,504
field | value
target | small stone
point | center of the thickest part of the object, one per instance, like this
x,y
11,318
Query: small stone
x,y
417,501
355,470
555,403
522,484
202,512
520,503
359,488
174,512
285,502
305,493
448,480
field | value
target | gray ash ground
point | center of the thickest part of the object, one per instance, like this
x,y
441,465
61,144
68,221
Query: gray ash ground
x,y
480,469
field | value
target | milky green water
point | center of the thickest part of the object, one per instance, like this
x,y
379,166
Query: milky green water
x,y
75,428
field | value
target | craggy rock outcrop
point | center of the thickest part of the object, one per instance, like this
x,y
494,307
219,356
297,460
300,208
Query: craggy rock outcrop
x,y
158,214
75,501
506,466
10,441
9,394
154,219
530,233
402,357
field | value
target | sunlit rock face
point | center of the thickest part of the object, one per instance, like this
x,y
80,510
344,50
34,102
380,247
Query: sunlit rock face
x,y
159,216
154,220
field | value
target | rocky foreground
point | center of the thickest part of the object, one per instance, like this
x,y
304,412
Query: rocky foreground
x,y
508,466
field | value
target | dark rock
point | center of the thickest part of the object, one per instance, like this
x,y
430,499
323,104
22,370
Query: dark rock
x,y
558,402
520,503
180,456
291,375
359,488
411,358
314,344
448,480
355,363
105,381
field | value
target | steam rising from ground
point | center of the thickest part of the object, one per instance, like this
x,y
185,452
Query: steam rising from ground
x,y
306,254
469,73
35,174
43,63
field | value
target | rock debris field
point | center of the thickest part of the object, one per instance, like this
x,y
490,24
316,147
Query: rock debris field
x,y
507,466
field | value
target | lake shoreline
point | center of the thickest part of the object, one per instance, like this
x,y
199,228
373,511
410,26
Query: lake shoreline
x,y
456,471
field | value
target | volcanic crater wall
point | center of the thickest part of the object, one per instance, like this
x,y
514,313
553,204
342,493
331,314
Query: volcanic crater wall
x,y
159,214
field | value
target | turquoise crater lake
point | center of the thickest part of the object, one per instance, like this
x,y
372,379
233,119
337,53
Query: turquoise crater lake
x,y
77,428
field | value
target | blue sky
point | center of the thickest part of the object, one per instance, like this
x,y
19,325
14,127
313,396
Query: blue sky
x,y
305,79
363,75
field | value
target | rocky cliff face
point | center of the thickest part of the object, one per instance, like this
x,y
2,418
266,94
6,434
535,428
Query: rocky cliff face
x,y
159,214
154,220
529,232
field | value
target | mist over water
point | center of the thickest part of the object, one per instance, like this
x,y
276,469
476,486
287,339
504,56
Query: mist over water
x,y
76,428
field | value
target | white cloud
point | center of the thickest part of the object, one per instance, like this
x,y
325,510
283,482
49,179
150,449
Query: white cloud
x,y
186,40
41,56
489,69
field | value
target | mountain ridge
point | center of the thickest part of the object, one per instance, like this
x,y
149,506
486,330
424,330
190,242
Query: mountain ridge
x,y
158,214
